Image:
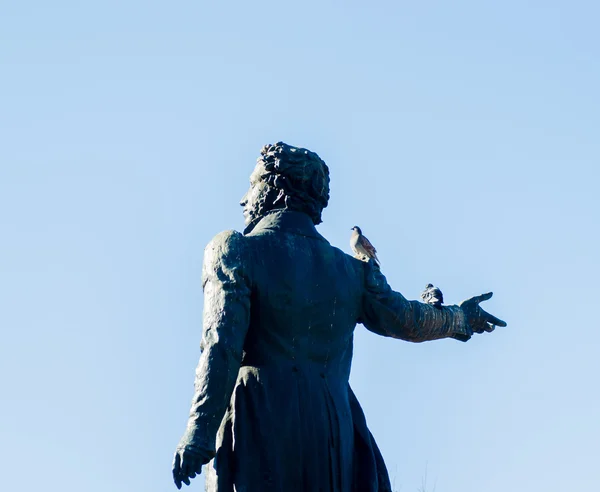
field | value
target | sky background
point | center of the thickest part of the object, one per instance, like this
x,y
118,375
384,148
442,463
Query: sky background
x,y
463,137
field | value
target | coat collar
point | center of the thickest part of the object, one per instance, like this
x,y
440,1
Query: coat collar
x,y
287,221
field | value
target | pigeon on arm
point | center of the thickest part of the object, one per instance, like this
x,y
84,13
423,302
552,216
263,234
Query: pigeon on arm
x,y
432,295
480,320
361,246
389,313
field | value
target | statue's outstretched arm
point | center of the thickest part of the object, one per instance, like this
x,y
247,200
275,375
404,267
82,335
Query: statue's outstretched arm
x,y
226,318
389,313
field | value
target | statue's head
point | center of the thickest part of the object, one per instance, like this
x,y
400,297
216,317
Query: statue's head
x,y
290,178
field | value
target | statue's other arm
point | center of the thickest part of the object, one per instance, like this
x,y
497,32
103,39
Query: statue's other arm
x,y
389,313
227,290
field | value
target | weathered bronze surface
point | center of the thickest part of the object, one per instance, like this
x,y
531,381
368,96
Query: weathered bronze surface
x,y
272,404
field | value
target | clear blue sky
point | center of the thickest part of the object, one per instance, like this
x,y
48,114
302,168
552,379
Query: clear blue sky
x,y
463,137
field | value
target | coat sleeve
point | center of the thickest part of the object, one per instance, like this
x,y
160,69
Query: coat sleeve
x,y
389,313
226,317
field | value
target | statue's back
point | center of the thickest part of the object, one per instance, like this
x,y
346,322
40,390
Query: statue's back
x,y
305,301
291,394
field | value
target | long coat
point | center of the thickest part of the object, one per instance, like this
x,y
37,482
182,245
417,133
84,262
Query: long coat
x,y
272,396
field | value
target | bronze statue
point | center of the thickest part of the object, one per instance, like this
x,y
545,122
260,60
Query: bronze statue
x,y
273,409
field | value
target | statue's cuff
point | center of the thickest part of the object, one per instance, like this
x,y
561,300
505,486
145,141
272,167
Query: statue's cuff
x,y
197,442
460,327
204,454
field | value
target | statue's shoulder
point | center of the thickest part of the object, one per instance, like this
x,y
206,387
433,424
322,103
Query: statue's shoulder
x,y
349,259
351,264
226,243
227,238
225,257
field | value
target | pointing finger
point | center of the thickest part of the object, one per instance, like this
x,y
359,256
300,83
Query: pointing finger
x,y
490,318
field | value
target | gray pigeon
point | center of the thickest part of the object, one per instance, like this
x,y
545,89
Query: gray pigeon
x,y
432,295
361,246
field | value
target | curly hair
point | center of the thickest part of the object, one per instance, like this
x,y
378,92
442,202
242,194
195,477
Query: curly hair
x,y
299,177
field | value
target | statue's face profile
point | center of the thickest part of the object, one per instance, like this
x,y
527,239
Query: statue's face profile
x,y
254,199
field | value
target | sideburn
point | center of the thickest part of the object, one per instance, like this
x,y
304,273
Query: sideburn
x,y
270,199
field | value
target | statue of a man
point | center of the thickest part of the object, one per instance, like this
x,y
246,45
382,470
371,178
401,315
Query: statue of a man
x,y
272,404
